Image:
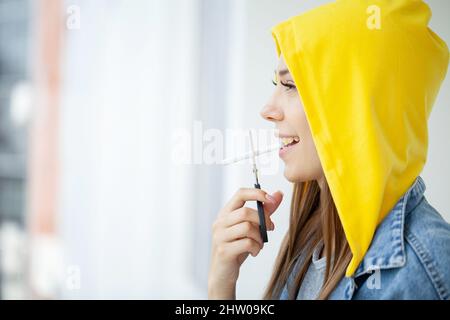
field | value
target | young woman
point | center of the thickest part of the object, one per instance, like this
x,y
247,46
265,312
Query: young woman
x,y
355,85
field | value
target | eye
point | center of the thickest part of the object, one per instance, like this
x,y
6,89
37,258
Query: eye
x,y
274,83
288,85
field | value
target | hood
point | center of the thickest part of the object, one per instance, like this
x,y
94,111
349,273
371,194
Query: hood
x,y
368,73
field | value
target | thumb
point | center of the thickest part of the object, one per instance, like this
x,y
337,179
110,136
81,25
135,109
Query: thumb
x,y
271,205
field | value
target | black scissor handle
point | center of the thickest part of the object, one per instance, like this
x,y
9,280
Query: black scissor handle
x,y
262,218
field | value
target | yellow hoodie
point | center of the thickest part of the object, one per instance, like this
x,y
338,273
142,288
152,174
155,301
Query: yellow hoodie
x,y
368,73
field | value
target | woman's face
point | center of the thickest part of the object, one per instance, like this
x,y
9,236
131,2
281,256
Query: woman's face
x,y
285,110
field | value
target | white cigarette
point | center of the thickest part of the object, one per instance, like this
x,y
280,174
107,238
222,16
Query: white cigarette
x,y
249,155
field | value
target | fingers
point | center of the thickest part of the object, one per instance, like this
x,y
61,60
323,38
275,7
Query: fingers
x,y
236,223
242,230
235,248
243,195
245,214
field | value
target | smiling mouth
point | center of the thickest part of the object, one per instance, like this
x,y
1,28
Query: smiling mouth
x,y
286,142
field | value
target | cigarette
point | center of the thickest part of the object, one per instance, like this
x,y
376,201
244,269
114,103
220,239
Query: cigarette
x,y
249,155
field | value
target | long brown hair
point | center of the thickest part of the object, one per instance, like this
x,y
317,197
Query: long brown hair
x,y
313,218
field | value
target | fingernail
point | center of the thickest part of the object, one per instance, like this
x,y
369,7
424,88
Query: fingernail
x,y
282,194
270,198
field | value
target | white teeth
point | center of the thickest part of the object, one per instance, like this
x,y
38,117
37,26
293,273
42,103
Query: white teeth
x,y
288,140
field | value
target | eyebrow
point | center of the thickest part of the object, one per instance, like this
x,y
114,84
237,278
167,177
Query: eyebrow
x,y
282,72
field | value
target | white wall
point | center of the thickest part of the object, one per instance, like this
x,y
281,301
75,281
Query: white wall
x,y
436,173
125,212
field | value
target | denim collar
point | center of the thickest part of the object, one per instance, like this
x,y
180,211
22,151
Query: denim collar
x,y
387,249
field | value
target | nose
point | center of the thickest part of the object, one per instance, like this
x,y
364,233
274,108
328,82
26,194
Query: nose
x,y
272,112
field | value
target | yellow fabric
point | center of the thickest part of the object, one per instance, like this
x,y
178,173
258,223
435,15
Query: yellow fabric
x,y
367,77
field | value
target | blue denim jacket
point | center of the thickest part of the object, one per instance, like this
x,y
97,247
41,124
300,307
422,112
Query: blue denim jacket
x,y
409,257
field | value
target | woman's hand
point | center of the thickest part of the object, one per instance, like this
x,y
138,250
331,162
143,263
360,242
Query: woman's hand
x,y
235,235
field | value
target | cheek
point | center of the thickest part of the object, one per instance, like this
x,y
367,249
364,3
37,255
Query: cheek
x,y
306,155
304,165
303,124
298,121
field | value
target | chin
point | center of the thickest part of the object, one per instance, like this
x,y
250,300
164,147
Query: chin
x,y
299,174
293,175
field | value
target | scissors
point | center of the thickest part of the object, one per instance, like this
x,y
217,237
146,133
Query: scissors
x,y
262,219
